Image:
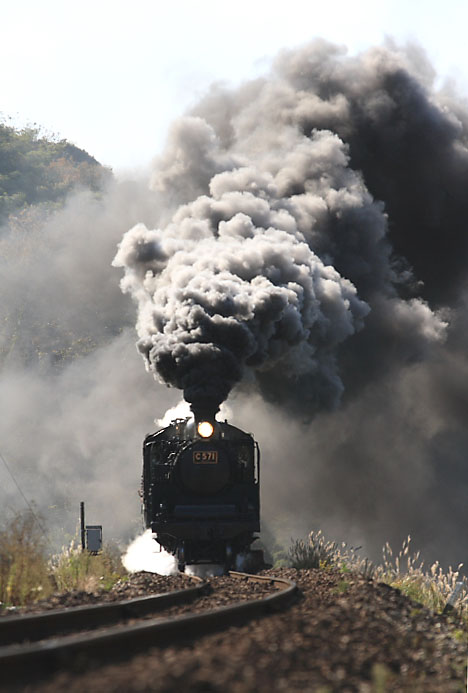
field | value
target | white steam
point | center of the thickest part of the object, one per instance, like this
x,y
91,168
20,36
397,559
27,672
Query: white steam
x,y
182,411
144,553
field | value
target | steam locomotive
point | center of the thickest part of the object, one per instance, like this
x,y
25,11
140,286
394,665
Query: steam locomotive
x,y
200,489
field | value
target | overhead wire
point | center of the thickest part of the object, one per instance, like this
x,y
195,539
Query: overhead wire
x,y
31,510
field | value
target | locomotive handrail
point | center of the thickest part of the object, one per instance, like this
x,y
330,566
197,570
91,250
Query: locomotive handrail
x,y
257,447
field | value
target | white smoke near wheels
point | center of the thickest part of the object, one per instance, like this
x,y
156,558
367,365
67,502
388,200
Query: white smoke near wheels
x,y
144,553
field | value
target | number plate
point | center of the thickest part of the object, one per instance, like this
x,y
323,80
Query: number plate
x,y
205,457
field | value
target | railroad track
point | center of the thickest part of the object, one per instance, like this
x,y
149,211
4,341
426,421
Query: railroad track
x,y
57,647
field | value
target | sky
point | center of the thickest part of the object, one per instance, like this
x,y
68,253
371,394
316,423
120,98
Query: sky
x,y
111,75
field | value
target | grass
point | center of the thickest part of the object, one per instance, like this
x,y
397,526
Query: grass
x,y
24,574
74,569
405,571
431,586
316,552
28,572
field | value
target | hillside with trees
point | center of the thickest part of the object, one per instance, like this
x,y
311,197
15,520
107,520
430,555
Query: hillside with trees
x,y
47,187
37,170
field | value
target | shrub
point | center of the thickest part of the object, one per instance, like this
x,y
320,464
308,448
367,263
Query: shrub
x,y
315,553
431,587
405,571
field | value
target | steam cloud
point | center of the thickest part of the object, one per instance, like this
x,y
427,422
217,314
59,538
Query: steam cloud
x,y
144,553
303,246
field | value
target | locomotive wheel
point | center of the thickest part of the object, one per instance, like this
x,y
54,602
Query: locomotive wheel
x,y
181,559
229,559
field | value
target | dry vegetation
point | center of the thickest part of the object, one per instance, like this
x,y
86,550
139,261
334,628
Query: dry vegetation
x,y
24,574
74,569
28,573
405,571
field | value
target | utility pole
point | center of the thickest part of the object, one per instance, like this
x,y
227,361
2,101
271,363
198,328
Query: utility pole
x,y
83,529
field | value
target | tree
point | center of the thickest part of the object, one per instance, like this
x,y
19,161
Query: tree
x,y
36,170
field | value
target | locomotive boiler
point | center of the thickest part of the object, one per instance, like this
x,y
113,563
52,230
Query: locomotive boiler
x,y
200,489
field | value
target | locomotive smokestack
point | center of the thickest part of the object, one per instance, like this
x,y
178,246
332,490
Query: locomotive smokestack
x,y
204,410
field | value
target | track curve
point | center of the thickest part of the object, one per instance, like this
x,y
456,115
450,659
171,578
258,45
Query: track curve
x,y
40,659
33,627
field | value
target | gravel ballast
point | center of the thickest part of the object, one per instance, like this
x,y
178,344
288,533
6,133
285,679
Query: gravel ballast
x,y
344,633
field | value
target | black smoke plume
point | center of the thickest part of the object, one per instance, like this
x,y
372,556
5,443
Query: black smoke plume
x,y
291,233
312,250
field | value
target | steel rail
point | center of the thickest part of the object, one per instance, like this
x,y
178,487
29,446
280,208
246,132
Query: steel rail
x,y
32,627
119,642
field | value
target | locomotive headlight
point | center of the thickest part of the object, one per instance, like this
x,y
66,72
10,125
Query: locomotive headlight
x,y
205,429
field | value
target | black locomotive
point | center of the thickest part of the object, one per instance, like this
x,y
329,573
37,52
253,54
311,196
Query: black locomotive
x,y
201,489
